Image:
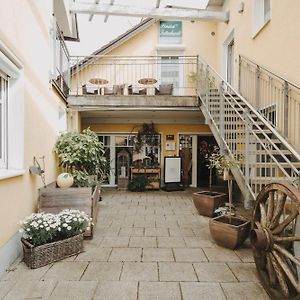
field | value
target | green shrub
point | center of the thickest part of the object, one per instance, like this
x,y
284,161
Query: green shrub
x,y
138,183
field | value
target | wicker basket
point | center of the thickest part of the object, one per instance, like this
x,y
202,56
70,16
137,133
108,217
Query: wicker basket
x,y
39,256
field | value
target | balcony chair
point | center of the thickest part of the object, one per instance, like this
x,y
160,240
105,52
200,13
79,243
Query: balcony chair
x,y
136,91
88,90
164,89
115,90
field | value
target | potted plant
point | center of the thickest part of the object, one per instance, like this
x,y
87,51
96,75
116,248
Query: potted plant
x,y
51,237
207,202
81,155
138,183
228,230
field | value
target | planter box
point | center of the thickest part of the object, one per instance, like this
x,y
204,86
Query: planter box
x,y
54,200
229,235
207,202
39,256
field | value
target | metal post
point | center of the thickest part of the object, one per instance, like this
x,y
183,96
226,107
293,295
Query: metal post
x,y
222,117
197,77
240,73
207,86
257,86
285,109
77,76
247,201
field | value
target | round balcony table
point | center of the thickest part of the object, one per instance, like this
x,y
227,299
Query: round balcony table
x,y
99,82
148,82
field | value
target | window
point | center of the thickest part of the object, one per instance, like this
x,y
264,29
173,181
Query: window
x,y
261,14
3,119
170,32
11,114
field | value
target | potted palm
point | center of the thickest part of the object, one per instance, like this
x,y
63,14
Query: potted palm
x,y
228,230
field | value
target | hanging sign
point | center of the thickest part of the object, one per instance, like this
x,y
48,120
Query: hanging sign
x,y
170,28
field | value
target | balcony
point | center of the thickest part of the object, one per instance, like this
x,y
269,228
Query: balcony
x,y
133,81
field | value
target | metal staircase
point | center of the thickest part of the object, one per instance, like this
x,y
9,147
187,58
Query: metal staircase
x,y
241,130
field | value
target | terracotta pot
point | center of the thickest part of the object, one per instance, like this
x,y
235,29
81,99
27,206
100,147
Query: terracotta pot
x,y
229,235
207,202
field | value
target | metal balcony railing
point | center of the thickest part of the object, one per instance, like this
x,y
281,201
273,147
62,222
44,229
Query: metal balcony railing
x,y
61,62
133,75
274,97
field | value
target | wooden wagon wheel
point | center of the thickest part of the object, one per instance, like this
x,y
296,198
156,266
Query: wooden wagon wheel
x,y
275,239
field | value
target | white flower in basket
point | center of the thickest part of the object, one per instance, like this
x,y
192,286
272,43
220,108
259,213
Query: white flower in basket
x,y
51,237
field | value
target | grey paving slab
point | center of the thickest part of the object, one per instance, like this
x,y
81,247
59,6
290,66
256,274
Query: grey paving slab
x,y
103,271
5,287
139,271
94,254
245,291
159,291
115,242
189,255
22,272
174,271
157,254
128,231
70,290
201,291
244,271
245,254
65,271
181,232
119,290
214,272
220,254
157,232
170,242
126,254
143,242
197,242
31,290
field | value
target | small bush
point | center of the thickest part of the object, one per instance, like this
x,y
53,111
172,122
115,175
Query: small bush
x,y
138,183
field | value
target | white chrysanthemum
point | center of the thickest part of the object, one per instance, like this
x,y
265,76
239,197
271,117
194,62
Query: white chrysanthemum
x,y
69,227
64,225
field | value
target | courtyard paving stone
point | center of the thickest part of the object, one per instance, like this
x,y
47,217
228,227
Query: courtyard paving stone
x,y
119,290
201,291
70,290
103,271
151,245
157,254
159,290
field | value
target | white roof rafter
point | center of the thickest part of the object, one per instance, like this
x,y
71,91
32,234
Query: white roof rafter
x,y
158,13
106,16
92,15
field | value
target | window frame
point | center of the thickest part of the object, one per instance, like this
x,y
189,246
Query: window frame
x,y
11,67
260,17
4,87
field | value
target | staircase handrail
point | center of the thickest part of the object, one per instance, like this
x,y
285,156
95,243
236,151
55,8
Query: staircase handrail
x,y
297,86
250,107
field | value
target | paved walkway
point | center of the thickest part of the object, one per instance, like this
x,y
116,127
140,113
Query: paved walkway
x,y
149,245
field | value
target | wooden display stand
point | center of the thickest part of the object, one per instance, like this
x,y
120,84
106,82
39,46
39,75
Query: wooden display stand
x,y
54,200
151,174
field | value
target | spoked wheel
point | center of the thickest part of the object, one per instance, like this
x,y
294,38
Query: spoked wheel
x,y
275,237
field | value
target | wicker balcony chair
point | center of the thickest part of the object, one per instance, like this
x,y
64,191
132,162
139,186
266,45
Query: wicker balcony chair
x,y
164,89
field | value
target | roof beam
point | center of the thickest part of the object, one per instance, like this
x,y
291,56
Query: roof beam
x,y
158,13
157,3
106,16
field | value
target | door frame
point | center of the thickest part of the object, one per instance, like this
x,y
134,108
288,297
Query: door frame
x,y
226,44
194,152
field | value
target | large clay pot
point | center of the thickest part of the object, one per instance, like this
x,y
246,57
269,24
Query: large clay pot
x,y
207,202
64,180
229,235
